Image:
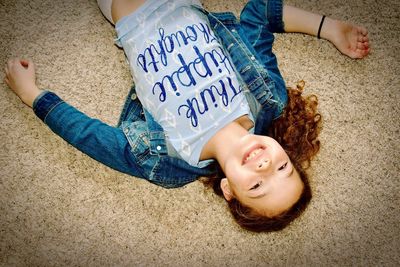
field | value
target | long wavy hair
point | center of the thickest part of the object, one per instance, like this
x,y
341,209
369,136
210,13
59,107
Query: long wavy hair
x,y
296,130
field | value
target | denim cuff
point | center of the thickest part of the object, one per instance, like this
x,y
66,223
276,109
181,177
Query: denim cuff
x,y
45,103
274,14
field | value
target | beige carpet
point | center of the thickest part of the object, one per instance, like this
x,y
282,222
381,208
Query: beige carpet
x,y
60,208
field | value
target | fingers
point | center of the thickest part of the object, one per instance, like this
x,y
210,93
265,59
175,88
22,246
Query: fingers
x,y
27,63
7,81
11,68
363,31
6,70
12,61
24,64
362,38
19,61
363,53
17,64
10,65
360,53
362,46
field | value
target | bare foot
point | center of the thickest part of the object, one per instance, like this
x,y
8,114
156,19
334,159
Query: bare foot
x,y
349,39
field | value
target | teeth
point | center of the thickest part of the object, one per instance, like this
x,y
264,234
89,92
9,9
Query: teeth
x,y
253,154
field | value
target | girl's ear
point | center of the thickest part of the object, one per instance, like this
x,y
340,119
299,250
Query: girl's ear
x,y
226,189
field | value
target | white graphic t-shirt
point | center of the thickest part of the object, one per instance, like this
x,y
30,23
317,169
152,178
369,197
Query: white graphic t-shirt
x,y
183,76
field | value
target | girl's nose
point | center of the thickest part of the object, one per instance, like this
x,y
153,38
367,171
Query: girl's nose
x,y
264,164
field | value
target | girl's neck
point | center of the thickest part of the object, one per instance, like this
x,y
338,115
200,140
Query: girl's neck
x,y
218,146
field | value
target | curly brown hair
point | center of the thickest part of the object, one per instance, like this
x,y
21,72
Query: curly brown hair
x,y
296,130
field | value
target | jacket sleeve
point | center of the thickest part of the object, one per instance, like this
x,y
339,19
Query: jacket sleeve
x,y
98,140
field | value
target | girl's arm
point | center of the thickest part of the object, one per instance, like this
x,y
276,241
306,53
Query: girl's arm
x,y
21,78
302,21
98,140
349,39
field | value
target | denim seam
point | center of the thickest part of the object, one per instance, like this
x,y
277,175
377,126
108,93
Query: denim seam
x,y
155,174
125,113
133,143
155,170
51,109
274,14
139,159
38,98
143,157
246,52
254,81
259,34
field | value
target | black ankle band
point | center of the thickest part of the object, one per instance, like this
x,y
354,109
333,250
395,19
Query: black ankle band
x,y
320,27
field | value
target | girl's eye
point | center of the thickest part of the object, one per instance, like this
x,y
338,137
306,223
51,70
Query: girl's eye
x,y
257,185
282,167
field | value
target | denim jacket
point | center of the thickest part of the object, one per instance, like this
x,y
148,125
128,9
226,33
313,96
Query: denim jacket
x,y
137,146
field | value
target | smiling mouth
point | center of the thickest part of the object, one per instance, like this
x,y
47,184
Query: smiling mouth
x,y
252,154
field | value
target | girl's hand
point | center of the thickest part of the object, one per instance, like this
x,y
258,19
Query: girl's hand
x,y
21,78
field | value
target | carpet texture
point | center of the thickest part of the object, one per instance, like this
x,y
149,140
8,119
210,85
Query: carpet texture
x,y
60,208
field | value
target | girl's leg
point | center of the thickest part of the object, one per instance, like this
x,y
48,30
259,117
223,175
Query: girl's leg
x,y
121,8
105,7
114,10
349,39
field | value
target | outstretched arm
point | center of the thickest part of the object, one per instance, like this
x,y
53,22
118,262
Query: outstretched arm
x,y
98,140
349,39
21,78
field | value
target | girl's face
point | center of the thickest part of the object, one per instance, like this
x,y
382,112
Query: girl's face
x,y
261,176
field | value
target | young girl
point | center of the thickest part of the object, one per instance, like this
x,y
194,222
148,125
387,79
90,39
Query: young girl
x,y
208,101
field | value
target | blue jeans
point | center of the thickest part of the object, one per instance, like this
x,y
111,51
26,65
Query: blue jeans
x,y
137,146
